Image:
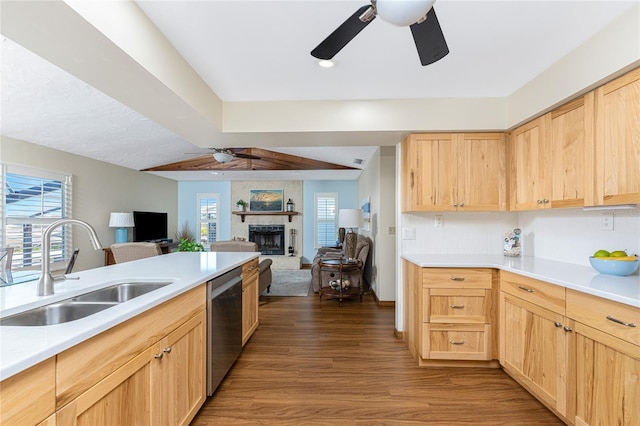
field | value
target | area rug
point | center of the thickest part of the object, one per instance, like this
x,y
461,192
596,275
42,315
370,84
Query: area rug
x,y
290,282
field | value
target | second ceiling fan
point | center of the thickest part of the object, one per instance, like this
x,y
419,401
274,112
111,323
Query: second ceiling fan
x,y
419,15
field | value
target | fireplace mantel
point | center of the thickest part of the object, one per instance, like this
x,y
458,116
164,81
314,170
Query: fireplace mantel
x,y
243,214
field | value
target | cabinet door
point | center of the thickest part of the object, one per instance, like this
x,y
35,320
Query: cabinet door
x,y
571,150
122,398
534,350
530,165
617,153
179,374
608,379
429,163
481,172
250,298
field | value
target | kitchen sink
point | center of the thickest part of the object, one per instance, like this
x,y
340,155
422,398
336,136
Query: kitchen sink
x,y
56,313
121,292
82,306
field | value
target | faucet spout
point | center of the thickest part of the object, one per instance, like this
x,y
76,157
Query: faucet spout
x,y
45,285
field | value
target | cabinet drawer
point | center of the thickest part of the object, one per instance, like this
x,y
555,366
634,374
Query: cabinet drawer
x,y
602,315
456,341
456,277
250,268
459,306
540,293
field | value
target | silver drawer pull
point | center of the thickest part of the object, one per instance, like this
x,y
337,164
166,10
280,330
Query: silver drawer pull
x,y
167,350
456,306
528,290
557,324
158,356
626,324
453,342
568,329
456,278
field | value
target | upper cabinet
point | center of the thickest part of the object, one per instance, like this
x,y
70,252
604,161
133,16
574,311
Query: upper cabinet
x,y
454,172
549,157
617,142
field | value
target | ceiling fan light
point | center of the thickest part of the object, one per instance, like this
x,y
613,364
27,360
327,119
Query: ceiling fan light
x,y
222,157
326,63
403,12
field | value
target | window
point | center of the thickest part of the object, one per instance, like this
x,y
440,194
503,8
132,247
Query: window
x,y
31,200
326,218
208,218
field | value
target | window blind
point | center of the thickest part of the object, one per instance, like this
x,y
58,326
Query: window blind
x,y
325,218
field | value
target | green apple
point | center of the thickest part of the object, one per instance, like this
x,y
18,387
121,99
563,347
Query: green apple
x,y
618,253
601,253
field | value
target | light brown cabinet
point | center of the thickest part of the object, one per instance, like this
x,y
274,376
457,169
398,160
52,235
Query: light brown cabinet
x,y
607,360
550,157
450,314
250,298
535,339
29,397
148,370
616,176
454,172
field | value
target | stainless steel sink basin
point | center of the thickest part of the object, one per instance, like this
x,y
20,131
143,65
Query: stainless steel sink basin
x,y
82,306
56,313
121,292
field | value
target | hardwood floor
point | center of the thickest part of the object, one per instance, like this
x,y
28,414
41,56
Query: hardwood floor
x,y
313,363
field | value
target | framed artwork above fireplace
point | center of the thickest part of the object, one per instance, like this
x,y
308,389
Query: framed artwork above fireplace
x,y
266,200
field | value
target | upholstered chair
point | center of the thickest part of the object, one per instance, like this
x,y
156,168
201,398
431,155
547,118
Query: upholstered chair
x,y
126,252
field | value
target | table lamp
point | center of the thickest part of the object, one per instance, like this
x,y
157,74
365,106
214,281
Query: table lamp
x,y
350,218
121,221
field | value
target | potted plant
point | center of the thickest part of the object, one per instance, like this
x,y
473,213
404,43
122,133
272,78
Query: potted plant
x,y
241,205
187,239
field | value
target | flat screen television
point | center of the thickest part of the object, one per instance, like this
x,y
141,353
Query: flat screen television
x,y
149,226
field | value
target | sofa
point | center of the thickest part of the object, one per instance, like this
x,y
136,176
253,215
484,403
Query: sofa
x,y
265,276
319,278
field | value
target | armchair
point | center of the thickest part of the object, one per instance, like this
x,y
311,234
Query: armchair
x,y
319,278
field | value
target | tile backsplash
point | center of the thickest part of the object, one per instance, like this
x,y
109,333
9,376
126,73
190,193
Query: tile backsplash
x,y
566,235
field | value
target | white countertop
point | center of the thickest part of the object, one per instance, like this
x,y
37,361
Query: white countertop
x,y
23,347
576,277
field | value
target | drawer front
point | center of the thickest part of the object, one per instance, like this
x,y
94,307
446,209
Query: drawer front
x,y
250,268
459,306
549,296
456,277
605,315
456,341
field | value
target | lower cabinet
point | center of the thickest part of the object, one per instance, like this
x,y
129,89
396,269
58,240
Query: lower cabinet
x,y
250,297
150,370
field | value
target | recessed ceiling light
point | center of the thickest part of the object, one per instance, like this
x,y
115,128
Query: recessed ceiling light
x,y
326,63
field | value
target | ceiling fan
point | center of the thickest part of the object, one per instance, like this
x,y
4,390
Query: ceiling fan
x,y
224,155
419,15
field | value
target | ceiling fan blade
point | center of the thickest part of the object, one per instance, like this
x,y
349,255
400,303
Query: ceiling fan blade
x,y
429,39
247,156
338,39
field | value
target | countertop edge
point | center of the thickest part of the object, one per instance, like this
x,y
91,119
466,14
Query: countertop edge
x,y
576,277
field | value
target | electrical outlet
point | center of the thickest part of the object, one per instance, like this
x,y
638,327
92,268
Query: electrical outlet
x,y
408,233
438,222
392,230
607,221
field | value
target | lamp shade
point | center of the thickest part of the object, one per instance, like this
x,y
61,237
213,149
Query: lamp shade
x,y
350,218
121,220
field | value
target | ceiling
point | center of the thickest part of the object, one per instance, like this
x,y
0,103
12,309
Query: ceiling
x,y
256,52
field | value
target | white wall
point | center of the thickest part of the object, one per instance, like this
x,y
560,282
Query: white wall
x,y
98,189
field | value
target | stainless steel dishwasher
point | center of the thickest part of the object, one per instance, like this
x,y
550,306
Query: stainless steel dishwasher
x,y
224,325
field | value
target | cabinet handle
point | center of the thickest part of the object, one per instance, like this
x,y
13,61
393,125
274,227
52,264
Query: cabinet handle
x,y
158,356
568,329
528,290
557,324
626,324
411,185
167,350
545,201
251,268
456,306
538,201
453,342
456,278
455,205
462,205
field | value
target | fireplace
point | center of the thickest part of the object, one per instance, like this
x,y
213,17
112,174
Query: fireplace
x,y
270,238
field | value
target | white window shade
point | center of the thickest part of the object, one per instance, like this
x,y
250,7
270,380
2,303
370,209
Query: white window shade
x,y
325,218
31,200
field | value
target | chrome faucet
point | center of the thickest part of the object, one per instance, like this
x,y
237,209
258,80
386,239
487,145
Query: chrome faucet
x,y
45,285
